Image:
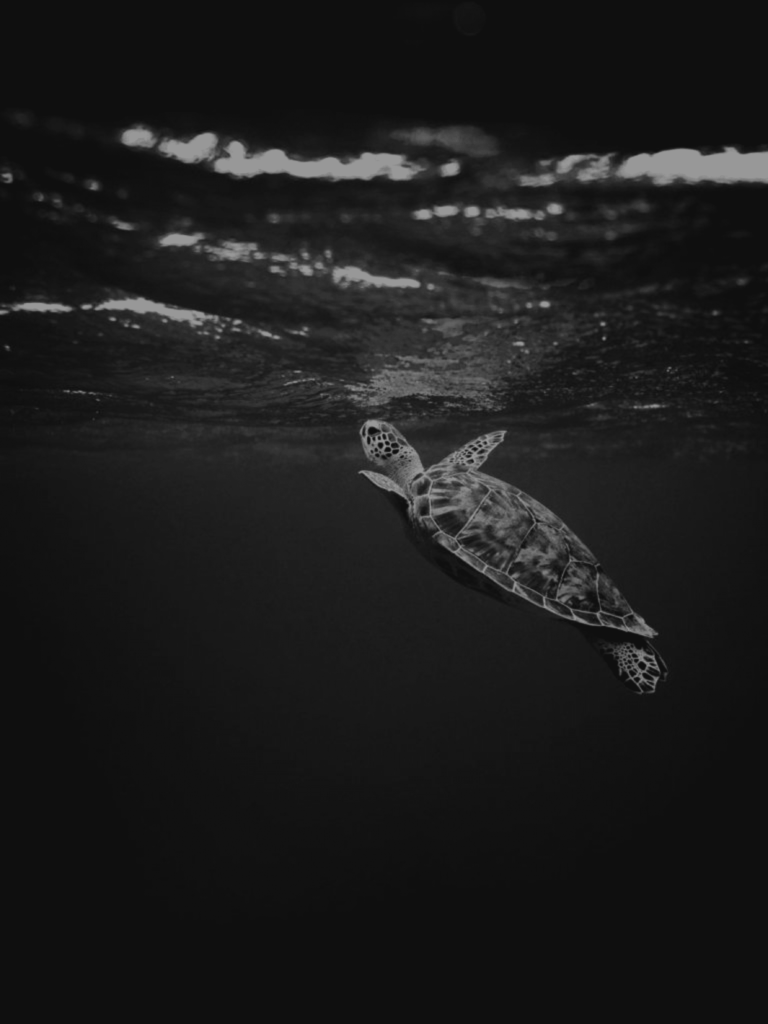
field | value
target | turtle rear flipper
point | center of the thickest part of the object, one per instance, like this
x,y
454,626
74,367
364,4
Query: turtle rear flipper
x,y
633,660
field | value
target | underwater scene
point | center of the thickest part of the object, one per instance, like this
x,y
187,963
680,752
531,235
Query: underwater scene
x,y
255,701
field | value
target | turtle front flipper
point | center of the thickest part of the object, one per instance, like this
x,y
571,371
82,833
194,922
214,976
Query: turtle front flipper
x,y
474,453
382,481
632,659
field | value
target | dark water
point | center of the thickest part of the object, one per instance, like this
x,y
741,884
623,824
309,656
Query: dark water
x,y
255,701
469,279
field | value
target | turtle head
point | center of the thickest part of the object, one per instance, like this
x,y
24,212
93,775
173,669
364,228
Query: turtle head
x,y
389,451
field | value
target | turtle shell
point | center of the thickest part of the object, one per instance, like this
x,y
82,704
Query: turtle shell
x,y
520,548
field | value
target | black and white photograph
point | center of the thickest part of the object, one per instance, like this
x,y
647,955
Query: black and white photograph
x,y
383,453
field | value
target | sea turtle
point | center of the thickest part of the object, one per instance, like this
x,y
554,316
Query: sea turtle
x,y
494,538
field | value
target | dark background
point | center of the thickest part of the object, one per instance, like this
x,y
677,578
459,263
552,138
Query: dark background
x,y
253,705
609,77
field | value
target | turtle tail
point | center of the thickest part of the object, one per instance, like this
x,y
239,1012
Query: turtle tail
x,y
633,660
